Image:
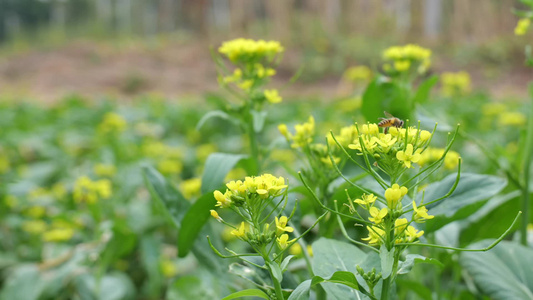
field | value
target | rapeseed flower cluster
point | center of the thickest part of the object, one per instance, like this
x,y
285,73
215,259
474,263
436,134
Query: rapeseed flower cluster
x,y
89,191
431,155
387,226
245,50
191,187
112,123
357,74
402,59
250,198
169,158
500,113
392,151
522,26
455,84
253,61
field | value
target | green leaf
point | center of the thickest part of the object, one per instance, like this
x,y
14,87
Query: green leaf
x,y
193,221
331,256
424,89
276,271
341,277
472,190
405,266
381,95
23,283
216,168
505,272
285,263
387,260
301,292
259,118
171,199
421,290
210,115
247,293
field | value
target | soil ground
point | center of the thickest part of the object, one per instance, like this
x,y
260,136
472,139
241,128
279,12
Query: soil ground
x,y
173,70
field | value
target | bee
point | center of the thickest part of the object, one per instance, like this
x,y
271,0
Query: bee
x,y
390,121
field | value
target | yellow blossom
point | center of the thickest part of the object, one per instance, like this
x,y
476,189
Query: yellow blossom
x,y
522,26
413,234
400,225
420,214
86,190
283,241
455,83
112,123
272,96
375,235
191,187
377,215
247,50
402,65
168,268
281,225
222,200
34,226
58,235
358,73
295,249
104,170
215,215
239,232
366,200
394,194
512,119
408,156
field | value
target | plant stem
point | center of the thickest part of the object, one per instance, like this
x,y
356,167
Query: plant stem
x,y
277,285
254,147
527,166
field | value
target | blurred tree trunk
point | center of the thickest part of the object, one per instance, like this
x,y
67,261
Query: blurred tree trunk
x,y
432,18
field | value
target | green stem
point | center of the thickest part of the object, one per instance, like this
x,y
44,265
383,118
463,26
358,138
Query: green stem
x,y
254,147
277,284
527,167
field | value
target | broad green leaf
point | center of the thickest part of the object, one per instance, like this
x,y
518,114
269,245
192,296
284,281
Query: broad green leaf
x,y
424,89
191,287
216,168
471,191
23,283
171,199
504,272
250,274
421,290
491,220
210,115
385,95
341,277
301,292
193,221
259,118
247,293
331,256
387,260
412,259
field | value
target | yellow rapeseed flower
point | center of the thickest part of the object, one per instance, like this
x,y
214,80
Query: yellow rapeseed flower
x,y
366,200
215,215
522,26
58,235
112,123
272,96
377,215
394,194
105,170
358,73
420,214
407,156
375,235
222,199
281,225
247,50
191,187
240,231
283,241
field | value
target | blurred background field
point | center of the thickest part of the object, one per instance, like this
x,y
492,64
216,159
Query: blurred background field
x,y
49,49
107,106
